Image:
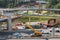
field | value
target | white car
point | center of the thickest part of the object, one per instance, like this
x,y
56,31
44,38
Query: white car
x,y
56,29
45,31
20,27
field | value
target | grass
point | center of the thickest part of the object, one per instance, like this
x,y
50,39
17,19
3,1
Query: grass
x,y
34,18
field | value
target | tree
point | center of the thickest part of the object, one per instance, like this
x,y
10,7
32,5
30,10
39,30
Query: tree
x,y
57,6
9,3
52,3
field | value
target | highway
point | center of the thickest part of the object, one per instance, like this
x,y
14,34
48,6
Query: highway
x,y
25,9
36,39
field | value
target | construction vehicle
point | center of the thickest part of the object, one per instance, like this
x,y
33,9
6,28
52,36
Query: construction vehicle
x,y
37,33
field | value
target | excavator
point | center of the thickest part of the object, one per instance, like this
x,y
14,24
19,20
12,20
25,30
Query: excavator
x,y
37,33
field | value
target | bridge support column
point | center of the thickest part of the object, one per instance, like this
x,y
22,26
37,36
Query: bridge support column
x,y
29,20
1,25
53,32
1,12
9,26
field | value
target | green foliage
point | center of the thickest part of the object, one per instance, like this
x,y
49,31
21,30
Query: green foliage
x,y
9,3
53,4
57,6
15,3
34,18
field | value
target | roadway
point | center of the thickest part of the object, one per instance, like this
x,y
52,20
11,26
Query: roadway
x,y
36,39
25,9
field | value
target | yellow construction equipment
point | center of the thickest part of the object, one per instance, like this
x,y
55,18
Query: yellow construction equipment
x,y
37,33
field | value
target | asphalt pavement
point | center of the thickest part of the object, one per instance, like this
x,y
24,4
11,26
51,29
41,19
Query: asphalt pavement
x,y
36,39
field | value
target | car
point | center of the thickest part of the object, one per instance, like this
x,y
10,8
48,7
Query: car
x,y
45,33
50,29
56,29
20,26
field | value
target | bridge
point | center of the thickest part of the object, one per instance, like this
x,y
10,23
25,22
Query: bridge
x,y
25,9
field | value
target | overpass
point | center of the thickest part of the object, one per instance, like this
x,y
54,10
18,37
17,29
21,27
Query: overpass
x,y
25,9
13,18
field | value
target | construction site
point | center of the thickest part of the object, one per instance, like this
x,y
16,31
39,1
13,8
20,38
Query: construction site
x,y
31,20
